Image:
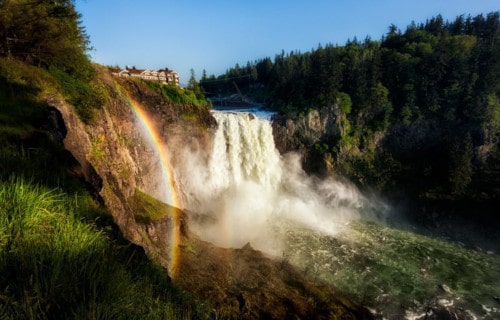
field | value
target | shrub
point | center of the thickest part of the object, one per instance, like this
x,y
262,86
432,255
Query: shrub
x,y
174,94
86,94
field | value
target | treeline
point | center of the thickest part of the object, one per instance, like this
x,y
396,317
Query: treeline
x,y
421,107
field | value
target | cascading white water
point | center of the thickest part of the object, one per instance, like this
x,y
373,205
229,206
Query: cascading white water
x,y
243,150
247,192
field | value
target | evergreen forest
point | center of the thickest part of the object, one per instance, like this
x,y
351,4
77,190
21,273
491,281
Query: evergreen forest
x,y
420,108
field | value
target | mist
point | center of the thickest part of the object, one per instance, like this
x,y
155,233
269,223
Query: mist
x,y
245,192
241,190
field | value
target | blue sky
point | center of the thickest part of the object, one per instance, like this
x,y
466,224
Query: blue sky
x,y
215,35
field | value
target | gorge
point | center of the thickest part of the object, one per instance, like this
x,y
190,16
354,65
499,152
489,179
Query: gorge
x,y
372,193
242,228
224,182
334,232
203,187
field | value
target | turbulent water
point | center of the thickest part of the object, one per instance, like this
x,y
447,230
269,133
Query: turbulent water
x,y
246,192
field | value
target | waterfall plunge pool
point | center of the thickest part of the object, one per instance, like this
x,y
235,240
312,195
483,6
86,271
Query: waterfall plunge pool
x,y
252,194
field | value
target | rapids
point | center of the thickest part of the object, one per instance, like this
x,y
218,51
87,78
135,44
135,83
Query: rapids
x,y
246,192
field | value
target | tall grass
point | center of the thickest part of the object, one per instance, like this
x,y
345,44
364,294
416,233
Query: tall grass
x,y
54,264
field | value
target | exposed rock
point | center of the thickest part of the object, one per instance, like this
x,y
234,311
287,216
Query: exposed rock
x,y
117,161
120,164
245,284
76,140
305,131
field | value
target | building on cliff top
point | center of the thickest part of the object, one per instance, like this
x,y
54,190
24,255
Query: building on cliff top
x,y
164,76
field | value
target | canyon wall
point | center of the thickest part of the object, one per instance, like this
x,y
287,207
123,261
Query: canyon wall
x,y
121,165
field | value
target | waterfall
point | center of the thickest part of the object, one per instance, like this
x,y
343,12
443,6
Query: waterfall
x,y
246,192
243,150
242,190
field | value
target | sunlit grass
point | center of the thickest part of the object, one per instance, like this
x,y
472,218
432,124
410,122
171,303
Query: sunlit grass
x,y
147,208
61,255
56,263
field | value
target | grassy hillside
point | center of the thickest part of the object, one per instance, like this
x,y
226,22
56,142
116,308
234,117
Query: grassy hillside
x,y
61,256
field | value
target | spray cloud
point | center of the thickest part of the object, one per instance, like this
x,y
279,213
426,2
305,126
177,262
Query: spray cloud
x,y
246,192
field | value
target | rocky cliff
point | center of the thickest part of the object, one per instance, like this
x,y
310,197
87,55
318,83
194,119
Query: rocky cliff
x,y
306,130
306,133
120,164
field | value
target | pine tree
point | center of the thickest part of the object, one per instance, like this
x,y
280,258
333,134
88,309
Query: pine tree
x,y
461,166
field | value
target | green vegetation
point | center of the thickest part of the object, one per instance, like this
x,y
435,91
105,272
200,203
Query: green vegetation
x,y
147,208
57,262
87,94
48,35
174,94
423,106
61,255
195,87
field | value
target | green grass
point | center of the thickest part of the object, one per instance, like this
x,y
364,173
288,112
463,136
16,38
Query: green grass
x,y
23,88
55,262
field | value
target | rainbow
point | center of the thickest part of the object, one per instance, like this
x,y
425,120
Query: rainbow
x,y
172,196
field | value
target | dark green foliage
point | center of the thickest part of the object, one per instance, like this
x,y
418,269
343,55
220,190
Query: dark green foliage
x,y
29,144
345,103
424,111
48,34
44,33
195,87
461,156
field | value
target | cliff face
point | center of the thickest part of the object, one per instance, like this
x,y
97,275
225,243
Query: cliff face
x,y
306,133
306,130
121,165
